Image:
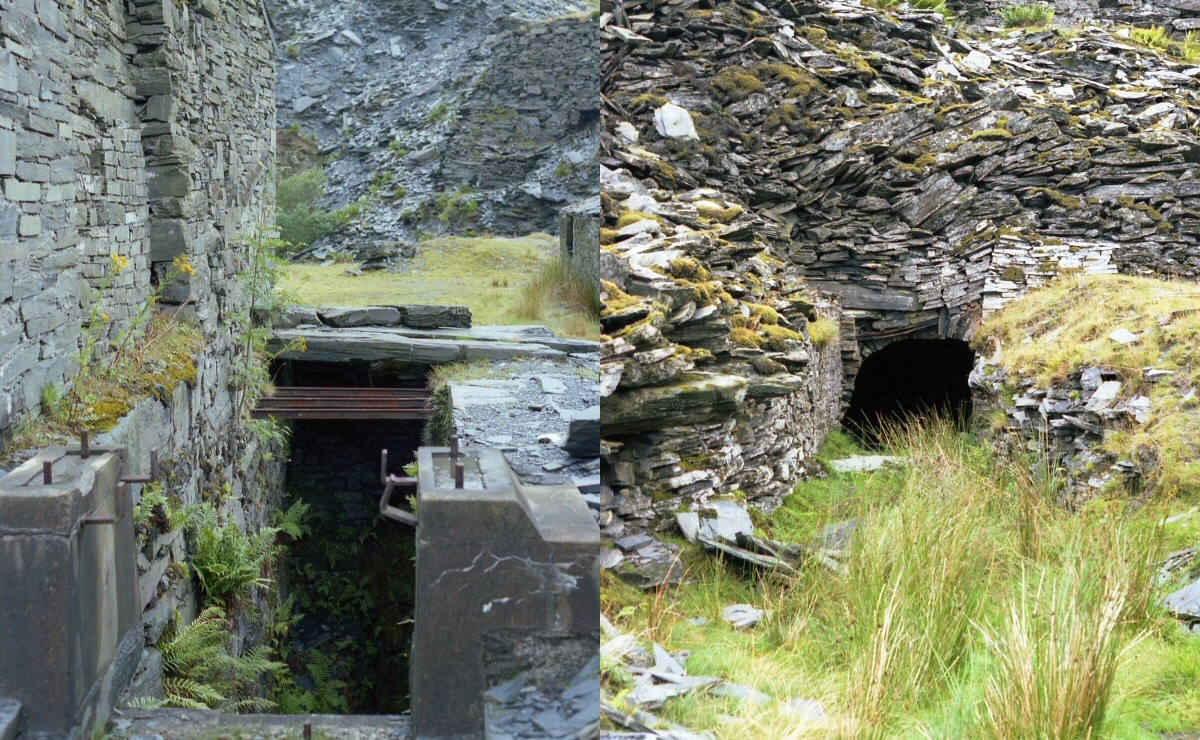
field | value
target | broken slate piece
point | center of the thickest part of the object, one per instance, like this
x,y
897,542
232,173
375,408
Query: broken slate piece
x,y
634,541
1186,601
1090,378
583,434
664,662
610,559
740,692
689,524
551,384
730,521
506,692
805,709
837,536
1123,336
742,616
862,463
674,122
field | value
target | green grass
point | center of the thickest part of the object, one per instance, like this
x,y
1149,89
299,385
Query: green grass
x,y
1031,15
972,608
486,274
1064,327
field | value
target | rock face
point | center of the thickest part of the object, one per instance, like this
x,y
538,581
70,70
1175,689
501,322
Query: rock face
x,y
881,163
495,96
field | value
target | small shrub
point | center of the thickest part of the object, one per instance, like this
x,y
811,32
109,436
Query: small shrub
x,y
349,212
563,169
1027,16
300,220
457,208
399,192
437,113
398,149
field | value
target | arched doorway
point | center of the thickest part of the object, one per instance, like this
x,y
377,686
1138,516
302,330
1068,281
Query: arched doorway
x,y
911,377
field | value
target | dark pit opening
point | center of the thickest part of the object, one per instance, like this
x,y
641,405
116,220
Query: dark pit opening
x,y
352,577
912,378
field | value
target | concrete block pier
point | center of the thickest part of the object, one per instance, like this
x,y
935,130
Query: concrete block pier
x,y
69,614
498,563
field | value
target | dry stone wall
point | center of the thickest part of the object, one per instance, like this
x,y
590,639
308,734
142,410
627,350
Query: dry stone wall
x,y
146,135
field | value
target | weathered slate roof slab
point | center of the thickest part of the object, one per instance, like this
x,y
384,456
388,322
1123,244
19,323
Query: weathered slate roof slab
x,y
387,343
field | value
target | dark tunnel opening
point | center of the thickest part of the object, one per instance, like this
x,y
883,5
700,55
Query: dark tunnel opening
x,y
912,378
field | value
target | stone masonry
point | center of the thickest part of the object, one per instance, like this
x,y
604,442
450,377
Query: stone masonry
x,y
130,135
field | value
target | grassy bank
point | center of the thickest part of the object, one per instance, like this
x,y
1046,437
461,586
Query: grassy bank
x,y
972,607
497,278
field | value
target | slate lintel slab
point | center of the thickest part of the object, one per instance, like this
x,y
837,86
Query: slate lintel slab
x,y
383,343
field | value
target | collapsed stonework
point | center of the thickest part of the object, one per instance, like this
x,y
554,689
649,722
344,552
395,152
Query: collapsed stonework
x,y
899,175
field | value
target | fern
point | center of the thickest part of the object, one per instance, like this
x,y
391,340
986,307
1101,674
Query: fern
x,y
228,562
293,521
201,671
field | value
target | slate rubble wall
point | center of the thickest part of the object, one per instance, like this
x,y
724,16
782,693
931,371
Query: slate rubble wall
x,y
147,136
920,177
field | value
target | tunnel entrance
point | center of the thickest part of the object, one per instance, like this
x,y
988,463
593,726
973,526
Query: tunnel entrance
x,y
351,578
907,379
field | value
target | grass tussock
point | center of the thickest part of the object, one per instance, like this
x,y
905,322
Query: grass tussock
x,y
1058,330
1156,37
823,332
558,288
486,274
971,607
1031,15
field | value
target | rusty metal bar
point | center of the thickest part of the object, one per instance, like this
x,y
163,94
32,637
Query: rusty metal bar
x,y
458,475
383,476
47,472
345,403
122,489
85,446
391,512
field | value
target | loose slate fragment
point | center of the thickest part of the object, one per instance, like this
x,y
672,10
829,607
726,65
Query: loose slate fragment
x,y
742,616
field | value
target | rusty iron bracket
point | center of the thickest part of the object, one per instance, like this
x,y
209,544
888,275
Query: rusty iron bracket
x,y
122,488
391,512
389,484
